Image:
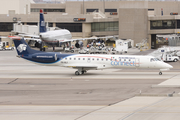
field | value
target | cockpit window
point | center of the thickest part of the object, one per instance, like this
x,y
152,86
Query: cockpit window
x,y
152,59
158,59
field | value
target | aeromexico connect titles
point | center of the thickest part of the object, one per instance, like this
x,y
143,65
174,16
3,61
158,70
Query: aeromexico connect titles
x,y
86,62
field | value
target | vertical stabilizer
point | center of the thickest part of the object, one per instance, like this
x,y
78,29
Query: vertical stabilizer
x,y
22,47
42,25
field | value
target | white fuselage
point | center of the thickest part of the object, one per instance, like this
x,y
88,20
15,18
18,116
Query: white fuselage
x,y
56,36
91,61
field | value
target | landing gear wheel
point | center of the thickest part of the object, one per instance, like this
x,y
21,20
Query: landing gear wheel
x,y
76,73
82,72
160,73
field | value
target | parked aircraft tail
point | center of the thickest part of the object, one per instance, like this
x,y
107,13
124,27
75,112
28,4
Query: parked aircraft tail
x,y
42,25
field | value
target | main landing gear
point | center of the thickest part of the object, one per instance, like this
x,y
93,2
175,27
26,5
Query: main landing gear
x,y
160,73
80,73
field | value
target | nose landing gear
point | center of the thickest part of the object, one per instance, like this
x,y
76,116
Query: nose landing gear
x,y
160,73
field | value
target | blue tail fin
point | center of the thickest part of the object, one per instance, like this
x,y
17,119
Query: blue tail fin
x,y
22,47
42,25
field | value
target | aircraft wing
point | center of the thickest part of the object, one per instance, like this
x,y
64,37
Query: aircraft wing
x,y
28,35
34,39
3,37
88,67
90,38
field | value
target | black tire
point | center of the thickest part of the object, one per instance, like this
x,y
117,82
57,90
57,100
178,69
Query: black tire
x,y
72,51
76,73
160,73
175,60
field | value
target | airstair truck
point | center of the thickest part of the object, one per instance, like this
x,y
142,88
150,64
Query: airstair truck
x,y
169,57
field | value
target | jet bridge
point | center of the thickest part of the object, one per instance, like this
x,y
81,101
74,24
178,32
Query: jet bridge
x,y
25,29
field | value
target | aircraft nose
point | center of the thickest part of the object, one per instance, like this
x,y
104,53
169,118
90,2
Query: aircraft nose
x,y
42,36
169,66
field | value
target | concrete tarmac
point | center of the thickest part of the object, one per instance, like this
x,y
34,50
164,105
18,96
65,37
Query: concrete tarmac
x,y
29,91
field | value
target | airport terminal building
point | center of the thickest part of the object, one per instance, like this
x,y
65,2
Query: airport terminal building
x,y
136,20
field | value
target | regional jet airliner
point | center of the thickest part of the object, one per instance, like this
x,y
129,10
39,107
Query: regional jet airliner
x,y
86,62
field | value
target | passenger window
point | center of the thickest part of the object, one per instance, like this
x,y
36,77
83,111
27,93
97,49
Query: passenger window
x,y
106,59
111,59
124,59
102,59
93,59
83,58
79,59
129,59
69,58
97,59
65,58
119,59
74,58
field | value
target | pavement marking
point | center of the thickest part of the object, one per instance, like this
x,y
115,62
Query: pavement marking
x,y
13,81
138,110
174,81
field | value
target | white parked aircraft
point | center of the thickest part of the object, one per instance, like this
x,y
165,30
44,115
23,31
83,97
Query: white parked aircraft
x,y
55,37
87,62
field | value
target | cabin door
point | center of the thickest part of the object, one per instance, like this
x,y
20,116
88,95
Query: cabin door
x,y
137,62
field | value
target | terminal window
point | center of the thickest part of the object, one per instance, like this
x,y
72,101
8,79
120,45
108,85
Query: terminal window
x,y
35,9
32,23
92,10
54,10
47,10
162,24
6,27
104,26
110,10
50,24
72,27
178,24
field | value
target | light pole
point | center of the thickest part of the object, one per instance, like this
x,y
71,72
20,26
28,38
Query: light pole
x,y
83,7
104,5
